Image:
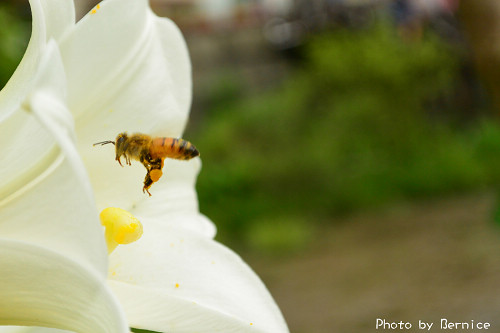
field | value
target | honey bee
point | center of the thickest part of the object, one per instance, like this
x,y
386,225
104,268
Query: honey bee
x,y
151,152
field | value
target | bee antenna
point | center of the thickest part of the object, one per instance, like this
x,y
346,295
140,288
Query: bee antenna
x,y
103,143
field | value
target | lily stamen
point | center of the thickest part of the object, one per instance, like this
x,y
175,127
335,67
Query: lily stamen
x,y
121,227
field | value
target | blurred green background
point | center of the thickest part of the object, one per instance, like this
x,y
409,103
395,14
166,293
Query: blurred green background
x,y
363,120
350,151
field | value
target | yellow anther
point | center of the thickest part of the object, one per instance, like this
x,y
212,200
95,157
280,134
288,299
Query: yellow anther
x,y
95,9
121,227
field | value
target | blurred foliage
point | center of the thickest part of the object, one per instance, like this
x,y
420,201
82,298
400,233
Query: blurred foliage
x,y
349,130
14,36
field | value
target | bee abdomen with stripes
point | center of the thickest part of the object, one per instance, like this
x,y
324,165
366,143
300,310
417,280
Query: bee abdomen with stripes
x,y
178,149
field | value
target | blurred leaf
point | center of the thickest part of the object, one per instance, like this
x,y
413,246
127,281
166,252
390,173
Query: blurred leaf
x,y
14,36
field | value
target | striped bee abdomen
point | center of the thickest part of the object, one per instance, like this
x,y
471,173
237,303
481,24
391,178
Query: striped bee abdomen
x,y
178,149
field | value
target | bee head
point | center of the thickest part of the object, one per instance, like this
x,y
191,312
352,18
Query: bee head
x,y
120,146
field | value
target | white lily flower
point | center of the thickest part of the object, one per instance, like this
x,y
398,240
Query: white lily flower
x,y
176,277
129,70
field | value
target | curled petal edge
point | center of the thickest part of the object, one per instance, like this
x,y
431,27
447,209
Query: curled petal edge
x,y
40,287
149,309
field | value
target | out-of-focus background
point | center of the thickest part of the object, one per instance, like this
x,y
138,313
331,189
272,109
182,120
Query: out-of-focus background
x,y
351,150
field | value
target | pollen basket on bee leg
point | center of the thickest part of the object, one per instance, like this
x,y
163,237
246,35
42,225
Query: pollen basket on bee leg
x,y
155,174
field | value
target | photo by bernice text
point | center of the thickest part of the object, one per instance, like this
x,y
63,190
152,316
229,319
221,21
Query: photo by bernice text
x,y
443,324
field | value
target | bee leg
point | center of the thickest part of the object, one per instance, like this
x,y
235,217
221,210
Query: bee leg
x,y
119,161
147,183
153,166
146,164
156,164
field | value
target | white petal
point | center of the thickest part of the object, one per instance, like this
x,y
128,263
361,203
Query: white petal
x,y
127,71
30,329
50,231
176,280
59,17
42,288
20,132
116,61
51,19
59,216
47,104
176,55
174,201
52,188
51,215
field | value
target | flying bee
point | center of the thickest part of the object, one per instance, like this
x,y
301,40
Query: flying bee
x,y
151,152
